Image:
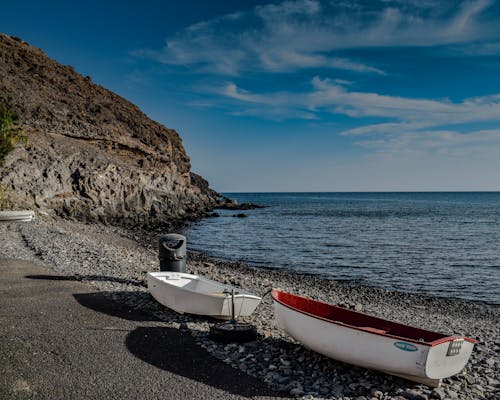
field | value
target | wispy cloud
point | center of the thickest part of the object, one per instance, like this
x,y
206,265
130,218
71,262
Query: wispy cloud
x,y
348,65
312,38
433,112
301,34
328,96
441,142
416,125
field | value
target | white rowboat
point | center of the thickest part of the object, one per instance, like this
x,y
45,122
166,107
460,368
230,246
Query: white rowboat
x,y
360,339
17,216
193,294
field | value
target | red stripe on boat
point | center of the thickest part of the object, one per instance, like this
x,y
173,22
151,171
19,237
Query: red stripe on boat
x,y
362,322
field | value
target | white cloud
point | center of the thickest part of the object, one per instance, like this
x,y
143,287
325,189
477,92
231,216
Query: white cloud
x,y
328,96
466,20
416,125
477,49
342,63
441,142
385,128
275,106
299,34
338,99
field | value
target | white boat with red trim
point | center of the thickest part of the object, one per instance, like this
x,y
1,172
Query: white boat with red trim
x,y
375,343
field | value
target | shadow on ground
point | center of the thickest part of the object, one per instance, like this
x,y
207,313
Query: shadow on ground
x,y
146,309
103,302
84,278
175,351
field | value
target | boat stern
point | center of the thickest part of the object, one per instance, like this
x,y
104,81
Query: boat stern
x,y
449,357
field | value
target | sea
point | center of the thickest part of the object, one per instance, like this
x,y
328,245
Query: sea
x,y
440,244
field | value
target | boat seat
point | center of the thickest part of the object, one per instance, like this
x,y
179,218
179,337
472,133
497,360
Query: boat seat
x,y
372,329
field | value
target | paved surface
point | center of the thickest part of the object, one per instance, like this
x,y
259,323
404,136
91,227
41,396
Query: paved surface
x,y
61,340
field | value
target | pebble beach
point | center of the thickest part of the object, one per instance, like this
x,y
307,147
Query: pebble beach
x,y
115,261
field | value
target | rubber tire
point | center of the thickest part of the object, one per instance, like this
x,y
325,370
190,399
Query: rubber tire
x,y
230,333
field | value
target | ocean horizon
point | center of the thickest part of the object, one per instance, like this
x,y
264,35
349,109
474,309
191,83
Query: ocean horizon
x,y
444,244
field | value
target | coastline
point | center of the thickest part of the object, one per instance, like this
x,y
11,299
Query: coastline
x,y
114,260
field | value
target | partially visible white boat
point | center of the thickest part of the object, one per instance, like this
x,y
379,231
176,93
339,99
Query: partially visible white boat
x,y
360,339
193,294
17,216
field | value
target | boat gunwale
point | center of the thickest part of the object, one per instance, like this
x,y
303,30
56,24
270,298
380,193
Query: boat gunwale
x,y
244,294
433,343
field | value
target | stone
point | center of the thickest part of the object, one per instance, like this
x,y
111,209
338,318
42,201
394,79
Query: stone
x,y
414,395
241,215
493,382
491,362
286,363
376,393
337,390
478,393
438,393
297,391
324,390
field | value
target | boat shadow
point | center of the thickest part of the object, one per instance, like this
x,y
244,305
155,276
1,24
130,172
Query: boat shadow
x,y
176,351
134,305
170,349
118,304
84,278
145,306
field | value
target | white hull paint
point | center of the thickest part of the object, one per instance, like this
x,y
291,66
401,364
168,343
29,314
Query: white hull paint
x,y
193,294
17,216
423,363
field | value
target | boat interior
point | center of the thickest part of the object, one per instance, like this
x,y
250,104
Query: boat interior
x,y
198,285
357,320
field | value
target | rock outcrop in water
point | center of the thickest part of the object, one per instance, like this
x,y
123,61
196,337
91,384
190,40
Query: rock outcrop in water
x,y
92,154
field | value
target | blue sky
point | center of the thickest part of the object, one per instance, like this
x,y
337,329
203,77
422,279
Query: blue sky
x,y
299,95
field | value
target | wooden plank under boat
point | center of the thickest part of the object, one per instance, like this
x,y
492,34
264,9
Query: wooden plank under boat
x,y
194,294
17,216
360,339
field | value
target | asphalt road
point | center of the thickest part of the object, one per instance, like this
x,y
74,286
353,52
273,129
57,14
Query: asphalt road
x,y
61,340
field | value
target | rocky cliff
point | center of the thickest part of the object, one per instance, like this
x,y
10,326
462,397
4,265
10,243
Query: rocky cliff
x,y
91,154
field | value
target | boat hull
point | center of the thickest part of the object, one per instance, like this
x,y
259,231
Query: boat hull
x,y
17,216
203,297
397,356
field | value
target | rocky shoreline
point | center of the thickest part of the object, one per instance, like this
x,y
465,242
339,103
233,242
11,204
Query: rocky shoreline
x,y
115,260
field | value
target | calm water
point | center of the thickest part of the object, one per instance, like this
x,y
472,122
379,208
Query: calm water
x,y
445,244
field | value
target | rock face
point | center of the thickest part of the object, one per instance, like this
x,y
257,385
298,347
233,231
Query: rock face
x,y
92,154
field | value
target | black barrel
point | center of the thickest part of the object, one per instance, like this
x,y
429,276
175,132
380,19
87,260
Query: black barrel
x,y
172,252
